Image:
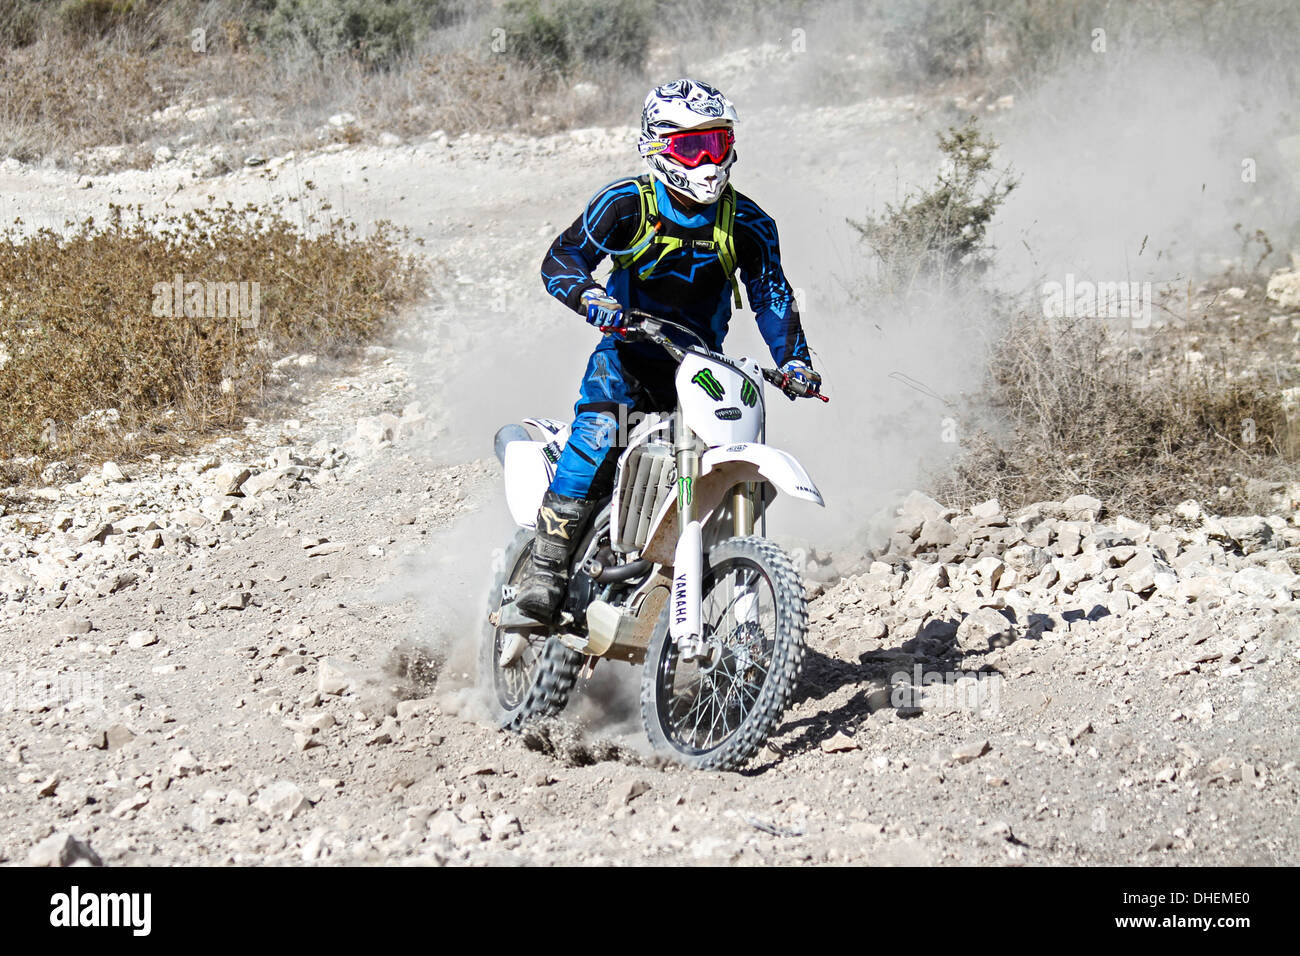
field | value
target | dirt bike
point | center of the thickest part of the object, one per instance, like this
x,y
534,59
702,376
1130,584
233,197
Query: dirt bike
x,y
671,573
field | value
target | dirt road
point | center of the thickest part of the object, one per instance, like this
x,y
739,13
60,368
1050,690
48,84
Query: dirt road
x,y
284,677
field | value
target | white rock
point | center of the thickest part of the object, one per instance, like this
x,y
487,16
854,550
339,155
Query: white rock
x,y
1284,289
1261,583
333,676
984,629
281,799
259,483
504,826
63,849
228,478
990,570
922,505
141,639
184,763
971,751
1081,508
377,429
926,580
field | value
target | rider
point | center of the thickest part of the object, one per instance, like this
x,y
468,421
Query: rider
x,y
676,236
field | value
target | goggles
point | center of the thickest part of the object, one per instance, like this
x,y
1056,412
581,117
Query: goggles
x,y
693,147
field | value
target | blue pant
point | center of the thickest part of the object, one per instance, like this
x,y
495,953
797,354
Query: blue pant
x,y
613,380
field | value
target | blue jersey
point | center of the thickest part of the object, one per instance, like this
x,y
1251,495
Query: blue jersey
x,y
688,285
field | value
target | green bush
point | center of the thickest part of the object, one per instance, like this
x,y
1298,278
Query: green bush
x,y
938,234
933,40
92,19
562,35
536,36
375,32
20,24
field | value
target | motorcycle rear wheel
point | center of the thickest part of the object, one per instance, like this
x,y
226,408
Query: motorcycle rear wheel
x,y
537,682
716,714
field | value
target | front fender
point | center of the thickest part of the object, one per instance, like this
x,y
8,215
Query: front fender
x,y
779,467
721,469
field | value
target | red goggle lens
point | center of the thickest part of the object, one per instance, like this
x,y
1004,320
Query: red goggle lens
x,y
693,148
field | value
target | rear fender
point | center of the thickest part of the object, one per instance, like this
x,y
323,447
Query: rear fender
x,y
529,469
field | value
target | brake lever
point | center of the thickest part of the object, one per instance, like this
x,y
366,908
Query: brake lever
x,y
784,386
628,333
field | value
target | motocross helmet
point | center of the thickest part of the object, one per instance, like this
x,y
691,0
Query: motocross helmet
x,y
688,138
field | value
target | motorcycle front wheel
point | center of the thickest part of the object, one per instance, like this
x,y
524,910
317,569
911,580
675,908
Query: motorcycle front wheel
x,y
715,713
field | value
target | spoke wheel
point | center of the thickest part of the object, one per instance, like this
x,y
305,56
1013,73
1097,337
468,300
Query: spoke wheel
x,y
526,674
717,712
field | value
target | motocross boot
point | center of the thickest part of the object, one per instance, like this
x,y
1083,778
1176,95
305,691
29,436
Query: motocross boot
x,y
561,521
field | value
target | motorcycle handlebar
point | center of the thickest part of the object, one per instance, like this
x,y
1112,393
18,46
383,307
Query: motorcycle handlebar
x,y
792,387
631,330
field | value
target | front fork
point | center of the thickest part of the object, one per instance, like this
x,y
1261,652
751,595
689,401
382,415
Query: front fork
x,y
686,623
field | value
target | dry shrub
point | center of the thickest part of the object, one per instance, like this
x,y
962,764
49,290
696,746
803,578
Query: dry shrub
x,y
935,238
59,104
1073,411
53,101
125,85
80,330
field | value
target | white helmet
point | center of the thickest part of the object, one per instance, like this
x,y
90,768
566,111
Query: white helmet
x,y
679,107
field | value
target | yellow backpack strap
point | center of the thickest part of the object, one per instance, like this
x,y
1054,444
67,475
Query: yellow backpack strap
x,y
724,223
650,224
667,243
723,241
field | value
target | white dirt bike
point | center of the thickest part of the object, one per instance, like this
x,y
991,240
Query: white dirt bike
x,y
671,573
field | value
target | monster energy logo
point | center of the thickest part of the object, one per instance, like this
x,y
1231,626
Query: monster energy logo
x,y
685,491
748,394
705,379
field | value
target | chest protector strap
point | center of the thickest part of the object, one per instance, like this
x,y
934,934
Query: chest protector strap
x,y
650,238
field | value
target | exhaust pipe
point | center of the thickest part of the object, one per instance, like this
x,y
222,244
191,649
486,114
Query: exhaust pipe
x,y
620,572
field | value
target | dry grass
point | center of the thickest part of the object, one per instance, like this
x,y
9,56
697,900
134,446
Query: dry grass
x,y
98,102
106,109
100,84
1142,419
80,329
1071,408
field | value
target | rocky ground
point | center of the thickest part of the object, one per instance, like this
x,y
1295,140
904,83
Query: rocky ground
x,y
261,653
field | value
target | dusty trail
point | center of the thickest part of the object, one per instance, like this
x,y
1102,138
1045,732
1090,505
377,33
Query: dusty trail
x,y
274,710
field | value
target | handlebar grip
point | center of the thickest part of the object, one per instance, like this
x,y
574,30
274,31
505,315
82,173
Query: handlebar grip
x,y
789,387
